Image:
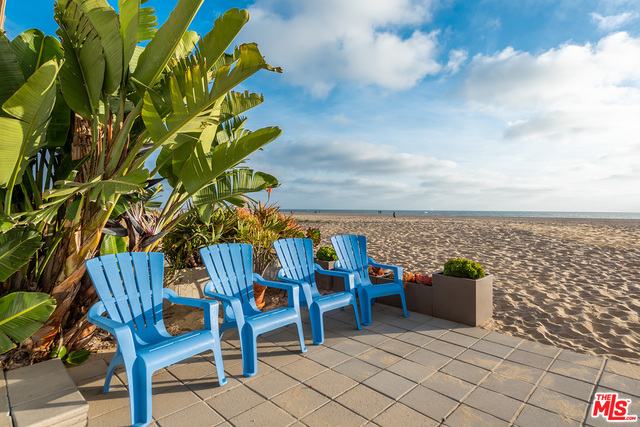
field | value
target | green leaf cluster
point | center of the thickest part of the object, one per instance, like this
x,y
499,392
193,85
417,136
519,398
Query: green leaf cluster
x,y
326,253
460,267
21,315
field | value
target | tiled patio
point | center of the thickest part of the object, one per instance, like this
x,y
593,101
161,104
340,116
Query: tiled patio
x,y
418,371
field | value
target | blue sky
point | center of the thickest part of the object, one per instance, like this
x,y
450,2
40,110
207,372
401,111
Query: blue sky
x,y
426,104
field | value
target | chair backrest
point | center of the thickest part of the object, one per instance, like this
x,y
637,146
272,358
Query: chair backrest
x,y
296,259
129,285
230,267
352,253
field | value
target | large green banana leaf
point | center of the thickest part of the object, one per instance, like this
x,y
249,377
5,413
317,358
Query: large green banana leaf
x,y
23,134
17,246
160,49
21,315
234,184
12,77
33,48
82,75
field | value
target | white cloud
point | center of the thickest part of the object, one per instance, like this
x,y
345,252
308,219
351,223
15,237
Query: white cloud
x,y
613,22
590,91
322,43
457,57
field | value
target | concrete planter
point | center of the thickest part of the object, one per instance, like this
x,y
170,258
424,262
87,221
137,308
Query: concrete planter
x,y
188,282
464,301
419,298
326,282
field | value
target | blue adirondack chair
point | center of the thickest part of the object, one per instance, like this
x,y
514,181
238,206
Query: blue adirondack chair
x,y
296,258
352,256
130,289
230,267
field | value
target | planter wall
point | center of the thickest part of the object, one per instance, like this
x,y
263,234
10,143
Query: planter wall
x,y
324,282
464,301
419,298
188,282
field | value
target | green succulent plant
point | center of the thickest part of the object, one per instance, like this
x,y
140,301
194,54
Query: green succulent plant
x,y
326,253
460,267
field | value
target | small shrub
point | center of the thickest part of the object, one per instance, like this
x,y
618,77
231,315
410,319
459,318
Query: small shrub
x,y
460,267
326,253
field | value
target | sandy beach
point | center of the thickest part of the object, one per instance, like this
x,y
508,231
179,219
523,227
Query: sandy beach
x,y
571,283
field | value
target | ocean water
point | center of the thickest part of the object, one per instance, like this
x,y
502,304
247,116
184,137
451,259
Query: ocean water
x,y
514,214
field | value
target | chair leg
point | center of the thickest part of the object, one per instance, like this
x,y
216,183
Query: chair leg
x,y
249,348
404,304
117,360
142,404
317,327
355,312
365,308
303,347
217,357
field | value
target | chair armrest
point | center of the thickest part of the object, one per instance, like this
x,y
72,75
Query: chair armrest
x,y
236,305
293,289
347,275
117,329
306,287
397,270
210,308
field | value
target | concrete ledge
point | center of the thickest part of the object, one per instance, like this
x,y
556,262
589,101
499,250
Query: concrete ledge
x,y
45,395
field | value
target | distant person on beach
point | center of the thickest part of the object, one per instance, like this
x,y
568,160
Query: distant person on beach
x,y
394,214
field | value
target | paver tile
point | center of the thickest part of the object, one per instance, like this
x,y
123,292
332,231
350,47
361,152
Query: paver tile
x,y
574,370
397,347
624,369
465,371
404,323
401,415
331,383
207,387
466,416
351,347
471,331
493,403
390,384
117,417
559,403
272,384
173,401
365,401
430,403
333,414
479,359
234,401
430,329
369,337
303,369
300,400
411,370
532,416
492,348
264,414
503,339
389,330
569,386
537,348
511,387
444,348
620,383
199,414
429,358
589,361
379,358
530,359
462,340
357,369
452,387
329,357
518,371
415,338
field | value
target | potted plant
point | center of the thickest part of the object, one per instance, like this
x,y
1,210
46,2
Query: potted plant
x,y
463,292
417,290
326,258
